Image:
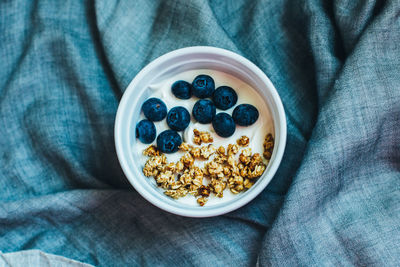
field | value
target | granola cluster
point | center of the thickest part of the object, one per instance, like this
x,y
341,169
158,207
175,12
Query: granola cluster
x,y
268,146
202,137
224,167
243,141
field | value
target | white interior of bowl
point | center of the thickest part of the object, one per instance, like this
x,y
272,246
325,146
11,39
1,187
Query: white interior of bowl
x,y
175,62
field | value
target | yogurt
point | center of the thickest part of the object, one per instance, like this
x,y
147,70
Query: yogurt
x,y
246,95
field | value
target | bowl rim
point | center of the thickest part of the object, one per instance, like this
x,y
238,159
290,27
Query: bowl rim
x,y
273,165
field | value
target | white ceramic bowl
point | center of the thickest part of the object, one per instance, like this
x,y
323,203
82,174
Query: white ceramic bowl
x,y
198,57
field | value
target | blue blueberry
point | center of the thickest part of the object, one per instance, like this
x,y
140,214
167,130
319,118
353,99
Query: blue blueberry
x,y
178,118
168,141
224,97
223,124
154,109
204,111
146,131
203,86
245,114
182,89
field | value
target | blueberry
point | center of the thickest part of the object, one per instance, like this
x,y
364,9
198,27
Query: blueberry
x,y
223,124
245,114
146,131
203,86
178,118
182,89
224,97
168,141
154,109
204,111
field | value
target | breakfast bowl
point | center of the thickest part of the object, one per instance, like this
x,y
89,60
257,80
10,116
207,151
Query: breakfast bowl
x,y
227,68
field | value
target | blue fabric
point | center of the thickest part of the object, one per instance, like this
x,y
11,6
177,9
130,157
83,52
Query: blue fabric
x,y
37,258
335,199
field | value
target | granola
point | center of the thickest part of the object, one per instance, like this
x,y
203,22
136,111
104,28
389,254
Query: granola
x,y
233,167
243,141
202,137
151,151
185,147
207,151
268,146
202,201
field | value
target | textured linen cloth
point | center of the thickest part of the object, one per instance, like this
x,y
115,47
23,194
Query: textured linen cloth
x,y
37,258
335,200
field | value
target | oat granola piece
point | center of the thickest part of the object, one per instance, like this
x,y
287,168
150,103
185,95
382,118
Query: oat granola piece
x,y
207,151
205,171
166,180
246,152
241,166
202,201
185,179
196,137
204,191
269,138
232,149
255,160
238,179
220,158
151,151
163,159
182,191
172,193
217,186
239,188
179,166
196,152
243,141
176,193
160,168
233,190
244,172
157,160
169,167
214,169
248,183
221,150
257,172
231,160
187,159
196,173
267,154
153,164
206,137
235,171
236,184
149,170
268,146
193,190
197,180
202,137
244,159
164,177
185,147
197,140
175,185
227,171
